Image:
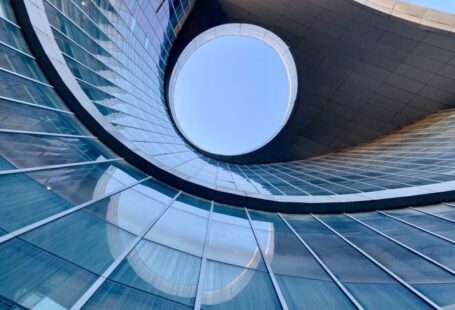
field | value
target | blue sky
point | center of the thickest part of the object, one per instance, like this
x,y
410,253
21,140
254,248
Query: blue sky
x,y
231,94
442,5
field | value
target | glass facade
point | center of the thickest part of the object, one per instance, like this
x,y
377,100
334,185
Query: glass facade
x,y
82,228
119,58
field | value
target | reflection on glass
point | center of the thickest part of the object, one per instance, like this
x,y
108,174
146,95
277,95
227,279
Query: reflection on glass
x,y
83,240
409,266
39,280
303,282
161,271
370,285
232,287
134,209
18,116
112,295
231,239
183,226
425,221
436,248
28,150
30,197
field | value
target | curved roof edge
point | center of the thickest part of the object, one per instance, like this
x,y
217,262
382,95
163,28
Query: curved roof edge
x,y
414,13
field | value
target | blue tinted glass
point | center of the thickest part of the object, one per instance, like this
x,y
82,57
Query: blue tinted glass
x,y
12,36
17,62
29,197
231,239
112,295
37,279
133,210
15,87
190,237
82,239
231,287
431,246
370,285
307,293
425,221
25,117
412,268
161,271
27,150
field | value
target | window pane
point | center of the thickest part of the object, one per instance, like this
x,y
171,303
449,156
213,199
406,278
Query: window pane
x,y
161,271
303,282
133,209
425,221
112,295
17,62
431,246
19,116
82,239
190,237
27,150
371,286
424,276
304,293
30,197
34,278
231,239
232,287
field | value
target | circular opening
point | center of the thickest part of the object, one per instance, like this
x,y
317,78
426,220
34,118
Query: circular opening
x,y
233,89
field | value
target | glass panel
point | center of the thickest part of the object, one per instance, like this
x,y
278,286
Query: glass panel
x,y
6,11
441,210
283,249
36,279
371,286
289,258
82,239
17,62
30,197
425,221
232,287
231,239
26,151
131,210
16,87
6,304
426,277
190,237
304,293
19,116
12,35
112,295
161,271
431,246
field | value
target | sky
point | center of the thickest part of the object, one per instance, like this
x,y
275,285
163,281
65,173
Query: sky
x,y
231,95
442,5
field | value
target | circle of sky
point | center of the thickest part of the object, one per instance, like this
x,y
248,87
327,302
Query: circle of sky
x,y
231,95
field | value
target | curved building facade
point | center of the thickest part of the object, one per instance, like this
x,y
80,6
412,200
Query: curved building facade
x,y
105,204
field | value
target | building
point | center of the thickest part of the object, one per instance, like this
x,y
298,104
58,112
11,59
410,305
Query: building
x,y
105,205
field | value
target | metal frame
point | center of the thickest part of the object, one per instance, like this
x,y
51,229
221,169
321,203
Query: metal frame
x,y
374,261
275,284
425,257
418,227
324,266
200,283
52,167
96,285
57,216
